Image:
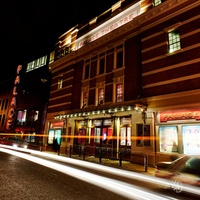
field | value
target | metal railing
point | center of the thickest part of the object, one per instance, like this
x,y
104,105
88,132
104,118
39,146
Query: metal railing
x,y
107,152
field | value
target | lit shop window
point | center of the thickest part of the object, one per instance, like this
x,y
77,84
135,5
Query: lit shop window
x,y
143,135
85,99
54,134
168,136
97,135
125,136
119,92
100,96
60,82
191,139
174,41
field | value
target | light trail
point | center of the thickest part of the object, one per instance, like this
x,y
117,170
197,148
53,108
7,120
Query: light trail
x,y
107,169
123,189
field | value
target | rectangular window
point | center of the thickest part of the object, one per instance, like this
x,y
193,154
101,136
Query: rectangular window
x,y
143,135
87,71
60,83
174,41
125,136
97,135
168,136
119,60
101,65
119,92
157,2
191,139
85,99
100,96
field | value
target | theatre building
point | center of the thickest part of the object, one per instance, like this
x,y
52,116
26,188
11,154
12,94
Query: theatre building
x,y
129,80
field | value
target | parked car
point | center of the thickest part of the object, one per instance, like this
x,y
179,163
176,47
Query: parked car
x,y
184,171
16,142
2,140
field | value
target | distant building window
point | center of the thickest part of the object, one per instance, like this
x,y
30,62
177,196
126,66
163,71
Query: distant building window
x,y
36,63
119,92
157,2
174,41
60,82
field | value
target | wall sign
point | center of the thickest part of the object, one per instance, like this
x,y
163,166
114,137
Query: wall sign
x,y
179,115
13,103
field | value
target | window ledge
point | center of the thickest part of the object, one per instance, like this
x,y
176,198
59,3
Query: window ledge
x,y
175,52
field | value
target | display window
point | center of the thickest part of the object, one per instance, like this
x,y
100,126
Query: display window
x,y
191,139
81,136
54,134
168,139
125,136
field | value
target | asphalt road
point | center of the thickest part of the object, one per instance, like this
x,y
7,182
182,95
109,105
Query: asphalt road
x,y
23,179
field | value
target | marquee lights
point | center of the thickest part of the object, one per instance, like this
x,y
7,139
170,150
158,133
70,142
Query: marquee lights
x,y
110,111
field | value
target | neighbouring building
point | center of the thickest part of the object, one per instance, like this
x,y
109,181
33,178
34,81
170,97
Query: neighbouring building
x,y
6,93
129,79
30,100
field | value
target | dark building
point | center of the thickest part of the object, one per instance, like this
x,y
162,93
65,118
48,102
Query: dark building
x,y
129,79
6,93
24,104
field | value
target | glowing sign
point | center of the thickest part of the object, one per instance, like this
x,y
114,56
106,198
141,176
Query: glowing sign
x,y
110,25
179,115
13,104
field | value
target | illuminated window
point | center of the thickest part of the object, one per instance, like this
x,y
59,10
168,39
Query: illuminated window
x,y
174,41
125,136
119,92
85,99
157,2
168,136
100,96
60,82
21,117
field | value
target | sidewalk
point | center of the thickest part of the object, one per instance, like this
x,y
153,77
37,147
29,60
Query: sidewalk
x,y
149,170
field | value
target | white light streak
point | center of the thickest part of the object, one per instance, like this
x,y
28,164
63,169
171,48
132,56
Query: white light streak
x,y
80,174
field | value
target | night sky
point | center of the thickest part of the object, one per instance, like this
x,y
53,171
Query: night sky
x,y
30,29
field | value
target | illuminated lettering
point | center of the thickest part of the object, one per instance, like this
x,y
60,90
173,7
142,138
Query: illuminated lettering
x,y
19,68
13,102
15,90
11,113
17,80
179,116
115,22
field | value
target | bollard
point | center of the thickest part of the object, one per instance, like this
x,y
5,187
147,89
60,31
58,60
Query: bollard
x,y
99,155
120,159
83,153
145,163
70,151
